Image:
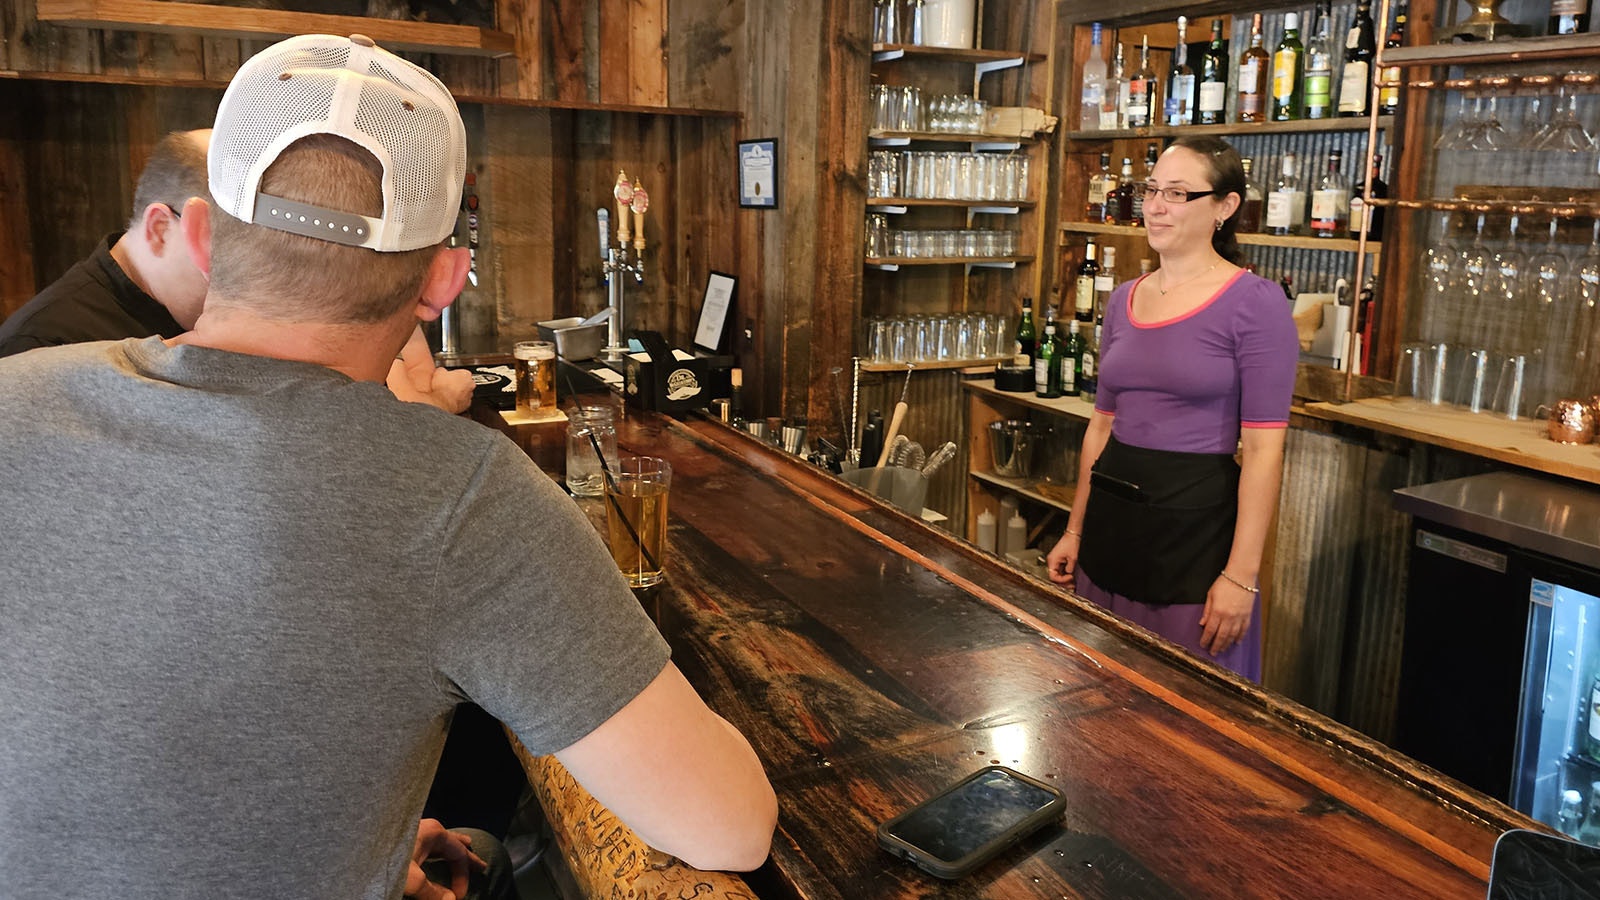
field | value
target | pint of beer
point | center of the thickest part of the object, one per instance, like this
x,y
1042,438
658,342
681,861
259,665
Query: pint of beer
x,y
636,518
536,376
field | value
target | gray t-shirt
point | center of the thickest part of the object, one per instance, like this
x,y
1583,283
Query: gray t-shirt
x,y
239,598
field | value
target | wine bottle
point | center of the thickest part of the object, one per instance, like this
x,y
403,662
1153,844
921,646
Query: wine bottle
x,y
1360,46
1389,94
1105,281
1360,210
1094,83
1569,16
1047,364
1071,360
1116,95
1026,336
1330,202
1142,91
1286,202
1288,72
1083,287
1180,81
1254,68
1214,78
1318,96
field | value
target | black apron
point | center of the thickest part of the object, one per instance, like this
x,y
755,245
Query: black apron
x,y
1159,524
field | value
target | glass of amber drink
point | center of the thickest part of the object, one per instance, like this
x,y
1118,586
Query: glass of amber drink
x,y
636,517
536,376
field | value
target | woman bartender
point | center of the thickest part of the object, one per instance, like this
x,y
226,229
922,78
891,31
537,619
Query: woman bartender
x,y
1197,361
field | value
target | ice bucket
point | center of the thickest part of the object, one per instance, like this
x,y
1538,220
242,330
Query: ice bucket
x,y
1014,444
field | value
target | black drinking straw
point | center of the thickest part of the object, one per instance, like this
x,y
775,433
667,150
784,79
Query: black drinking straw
x,y
611,482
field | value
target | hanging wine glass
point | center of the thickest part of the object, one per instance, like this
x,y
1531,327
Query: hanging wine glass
x,y
1455,137
1537,112
1566,133
1442,264
1587,302
1550,332
1488,134
1473,277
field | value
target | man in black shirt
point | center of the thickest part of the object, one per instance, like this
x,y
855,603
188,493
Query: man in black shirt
x,y
137,283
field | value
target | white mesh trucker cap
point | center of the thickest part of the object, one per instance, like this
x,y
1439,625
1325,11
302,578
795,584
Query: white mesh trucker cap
x,y
321,84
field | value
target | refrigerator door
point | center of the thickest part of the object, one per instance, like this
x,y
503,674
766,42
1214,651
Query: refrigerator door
x,y
1558,742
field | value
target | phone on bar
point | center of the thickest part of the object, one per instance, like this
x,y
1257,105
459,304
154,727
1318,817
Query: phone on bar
x,y
969,823
1533,864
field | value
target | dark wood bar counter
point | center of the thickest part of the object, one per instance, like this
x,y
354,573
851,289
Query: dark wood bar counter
x,y
873,661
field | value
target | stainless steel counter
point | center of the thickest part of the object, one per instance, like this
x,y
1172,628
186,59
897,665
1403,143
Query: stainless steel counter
x,y
1555,518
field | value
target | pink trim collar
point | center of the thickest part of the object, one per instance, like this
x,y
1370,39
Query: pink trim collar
x,y
1175,319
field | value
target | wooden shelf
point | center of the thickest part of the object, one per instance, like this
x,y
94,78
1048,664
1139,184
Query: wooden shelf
x,y
1520,443
1299,126
1562,46
1072,407
959,204
1028,487
950,137
976,365
1298,242
897,261
888,52
248,24
215,85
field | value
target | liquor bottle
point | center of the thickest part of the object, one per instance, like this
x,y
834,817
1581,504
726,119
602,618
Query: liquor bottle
x,y
1151,152
1089,370
1250,209
1589,831
1071,360
1026,336
1360,47
1180,81
1101,184
1116,95
1288,72
1570,819
1214,79
1123,198
1083,288
1330,202
1047,365
1140,112
1254,67
1105,282
1360,210
1569,16
1318,94
1094,83
1286,202
1389,94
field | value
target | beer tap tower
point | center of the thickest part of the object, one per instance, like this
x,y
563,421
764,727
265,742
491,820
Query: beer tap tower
x,y
615,261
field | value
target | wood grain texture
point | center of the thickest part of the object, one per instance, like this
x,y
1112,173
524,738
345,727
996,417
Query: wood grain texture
x,y
521,74
517,186
17,282
872,662
647,58
615,51
706,56
566,36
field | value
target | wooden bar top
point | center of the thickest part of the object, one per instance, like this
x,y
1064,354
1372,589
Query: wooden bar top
x,y
872,661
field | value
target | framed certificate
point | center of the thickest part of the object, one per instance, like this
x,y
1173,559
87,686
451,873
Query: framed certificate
x,y
758,173
714,312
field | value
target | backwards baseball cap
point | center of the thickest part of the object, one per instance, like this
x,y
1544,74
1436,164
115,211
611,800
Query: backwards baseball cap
x,y
349,87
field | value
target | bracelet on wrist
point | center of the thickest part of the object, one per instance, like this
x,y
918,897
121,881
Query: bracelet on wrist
x,y
1076,534
1251,588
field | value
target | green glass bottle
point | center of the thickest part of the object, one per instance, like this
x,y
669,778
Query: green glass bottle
x,y
1288,72
1046,366
1026,336
1071,361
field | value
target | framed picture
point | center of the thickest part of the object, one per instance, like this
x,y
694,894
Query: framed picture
x,y
714,312
758,173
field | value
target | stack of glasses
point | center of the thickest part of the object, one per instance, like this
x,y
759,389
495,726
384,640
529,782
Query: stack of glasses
x,y
954,243
930,175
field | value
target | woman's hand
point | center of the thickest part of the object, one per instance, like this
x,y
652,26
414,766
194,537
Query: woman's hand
x,y
1062,560
1226,616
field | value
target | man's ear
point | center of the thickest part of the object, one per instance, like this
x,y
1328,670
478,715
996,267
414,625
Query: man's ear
x,y
161,227
446,275
196,225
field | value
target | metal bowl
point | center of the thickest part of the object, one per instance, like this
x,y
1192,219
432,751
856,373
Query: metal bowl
x,y
574,341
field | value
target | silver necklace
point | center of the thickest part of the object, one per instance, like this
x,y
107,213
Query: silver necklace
x,y
1163,290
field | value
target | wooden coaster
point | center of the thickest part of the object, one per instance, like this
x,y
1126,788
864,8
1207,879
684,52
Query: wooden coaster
x,y
516,416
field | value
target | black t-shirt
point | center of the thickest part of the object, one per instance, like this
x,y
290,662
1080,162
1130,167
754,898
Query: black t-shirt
x,y
94,301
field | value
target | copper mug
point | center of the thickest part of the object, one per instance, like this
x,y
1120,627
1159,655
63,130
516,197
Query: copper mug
x,y
1571,422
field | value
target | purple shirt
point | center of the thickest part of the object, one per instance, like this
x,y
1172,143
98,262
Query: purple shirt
x,y
1189,383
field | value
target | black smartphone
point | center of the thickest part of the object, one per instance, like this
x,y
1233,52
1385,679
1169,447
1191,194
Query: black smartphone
x,y
1111,484
1533,864
967,824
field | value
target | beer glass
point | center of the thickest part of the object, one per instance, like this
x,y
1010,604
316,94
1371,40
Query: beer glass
x,y
636,518
536,376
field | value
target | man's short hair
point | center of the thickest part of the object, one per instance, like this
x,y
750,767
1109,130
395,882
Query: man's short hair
x,y
291,277
175,172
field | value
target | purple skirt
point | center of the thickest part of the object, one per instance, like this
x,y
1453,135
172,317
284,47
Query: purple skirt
x,y
1180,624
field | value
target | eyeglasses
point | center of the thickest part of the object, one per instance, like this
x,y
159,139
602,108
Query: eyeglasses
x,y
172,209
1173,195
